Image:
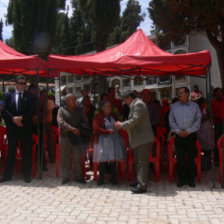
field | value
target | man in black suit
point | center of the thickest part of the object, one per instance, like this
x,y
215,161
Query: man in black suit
x,y
17,111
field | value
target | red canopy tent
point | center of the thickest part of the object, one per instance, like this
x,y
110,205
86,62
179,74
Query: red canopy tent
x,y
137,55
13,62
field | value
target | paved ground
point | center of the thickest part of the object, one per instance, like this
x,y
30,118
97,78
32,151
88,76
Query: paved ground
x,y
47,201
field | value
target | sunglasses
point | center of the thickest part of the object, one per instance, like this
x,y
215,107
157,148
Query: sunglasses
x,y
21,83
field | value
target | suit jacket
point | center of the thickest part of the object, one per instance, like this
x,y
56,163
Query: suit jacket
x,y
27,111
138,124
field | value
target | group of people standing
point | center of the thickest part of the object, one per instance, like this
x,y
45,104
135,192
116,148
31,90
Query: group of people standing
x,y
80,123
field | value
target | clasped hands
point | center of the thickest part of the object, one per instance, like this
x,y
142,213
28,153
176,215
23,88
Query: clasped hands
x,y
18,121
117,125
183,133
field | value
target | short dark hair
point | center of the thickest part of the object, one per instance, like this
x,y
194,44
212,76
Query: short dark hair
x,y
82,90
110,88
20,77
185,89
129,93
216,90
103,103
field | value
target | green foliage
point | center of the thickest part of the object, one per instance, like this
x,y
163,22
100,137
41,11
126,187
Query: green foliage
x,y
129,21
173,19
103,16
34,24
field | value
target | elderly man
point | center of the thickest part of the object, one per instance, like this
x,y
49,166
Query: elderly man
x,y
140,137
70,118
185,120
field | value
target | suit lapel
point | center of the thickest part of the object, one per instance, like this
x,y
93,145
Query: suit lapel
x,y
13,100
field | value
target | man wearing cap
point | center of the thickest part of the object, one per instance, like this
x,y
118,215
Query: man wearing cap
x,y
140,137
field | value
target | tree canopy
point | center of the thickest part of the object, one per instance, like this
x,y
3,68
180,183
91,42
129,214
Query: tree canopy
x,y
34,24
173,19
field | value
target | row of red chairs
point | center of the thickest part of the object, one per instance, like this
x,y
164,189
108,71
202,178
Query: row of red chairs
x,y
159,141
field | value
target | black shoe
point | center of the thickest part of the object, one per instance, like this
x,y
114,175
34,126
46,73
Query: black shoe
x,y
65,180
4,179
138,190
27,179
181,183
100,182
82,181
44,168
191,184
114,182
134,184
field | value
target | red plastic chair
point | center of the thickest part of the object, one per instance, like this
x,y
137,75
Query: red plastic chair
x,y
3,144
154,160
173,160
220,149
55,137
160,134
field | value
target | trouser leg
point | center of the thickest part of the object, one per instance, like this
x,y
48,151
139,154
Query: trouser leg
x,y
180,153
65,157
77,162
142,164
101,168
26,145
50,145
11,154
191,153
113,172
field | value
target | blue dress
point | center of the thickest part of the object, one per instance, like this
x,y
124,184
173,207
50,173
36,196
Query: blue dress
x,y
109,147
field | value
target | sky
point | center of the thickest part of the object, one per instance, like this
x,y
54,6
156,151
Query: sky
x,y
145,25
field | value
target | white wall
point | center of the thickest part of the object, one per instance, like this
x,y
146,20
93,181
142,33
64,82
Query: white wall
x,y
199,42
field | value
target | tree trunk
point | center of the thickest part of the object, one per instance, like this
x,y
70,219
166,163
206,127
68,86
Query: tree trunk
x,y
101,45
220,56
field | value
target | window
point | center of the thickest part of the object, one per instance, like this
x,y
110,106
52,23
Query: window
x,y
180,78
70,78
63,80
165,79
138,81
70,90
166,93
151,80
126,82
115,82
78,91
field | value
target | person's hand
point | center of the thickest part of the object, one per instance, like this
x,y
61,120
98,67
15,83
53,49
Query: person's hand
x,y
118,125
111,131
76,131
20,124
18,120
183,133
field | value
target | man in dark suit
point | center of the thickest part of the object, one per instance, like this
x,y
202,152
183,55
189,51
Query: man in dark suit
x,y
17,111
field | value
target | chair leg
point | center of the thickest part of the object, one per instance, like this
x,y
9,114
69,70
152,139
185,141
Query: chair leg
x,y
83,165
95,169
157,171
199,172
121,167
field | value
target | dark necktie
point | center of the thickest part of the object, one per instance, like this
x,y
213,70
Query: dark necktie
x,y
20,102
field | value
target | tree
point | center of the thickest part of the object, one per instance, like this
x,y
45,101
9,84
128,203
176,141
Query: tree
x,y
103,16
128,23
1,28
34,24
174,19
131,17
